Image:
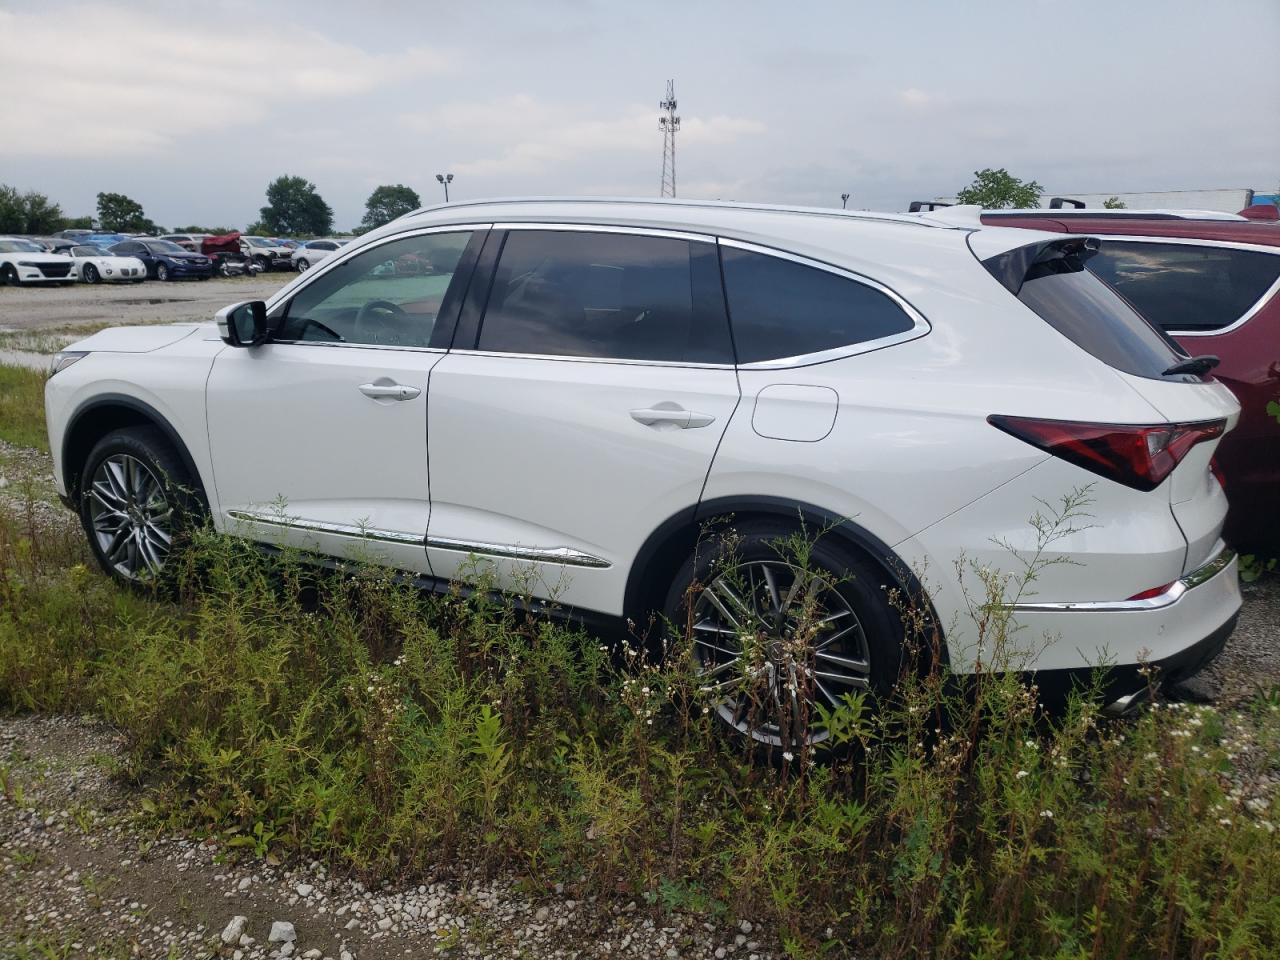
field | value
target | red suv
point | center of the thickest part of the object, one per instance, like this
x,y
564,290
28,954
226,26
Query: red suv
x,y
1213,285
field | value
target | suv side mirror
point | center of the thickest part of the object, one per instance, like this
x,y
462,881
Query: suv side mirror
x,y
243,324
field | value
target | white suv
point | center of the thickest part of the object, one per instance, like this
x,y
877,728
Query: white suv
x,y
572,391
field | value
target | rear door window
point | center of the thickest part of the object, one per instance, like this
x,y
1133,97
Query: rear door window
x,y
568,293
781,309
1055,284
1185,287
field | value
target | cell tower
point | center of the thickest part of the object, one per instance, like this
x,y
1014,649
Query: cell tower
x,y
669,123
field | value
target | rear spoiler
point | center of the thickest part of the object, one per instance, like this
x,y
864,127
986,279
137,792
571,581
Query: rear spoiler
x,y
930,205
1067,255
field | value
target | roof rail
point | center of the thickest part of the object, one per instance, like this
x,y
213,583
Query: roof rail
x,y
929,205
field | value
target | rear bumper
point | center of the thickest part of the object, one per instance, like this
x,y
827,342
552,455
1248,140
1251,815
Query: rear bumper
x,y
1180,631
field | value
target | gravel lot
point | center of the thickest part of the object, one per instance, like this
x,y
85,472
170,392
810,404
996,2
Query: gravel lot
x,y
51,308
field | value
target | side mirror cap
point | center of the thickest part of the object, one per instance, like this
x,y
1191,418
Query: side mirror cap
x,y
243,324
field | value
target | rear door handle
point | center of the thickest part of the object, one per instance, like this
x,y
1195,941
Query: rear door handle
x,y
385,389
677,416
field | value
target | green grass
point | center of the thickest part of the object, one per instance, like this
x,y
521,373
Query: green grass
x,y
22,407
393,735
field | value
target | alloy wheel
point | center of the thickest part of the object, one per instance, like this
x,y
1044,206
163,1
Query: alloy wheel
x,y
303,266
131,516
90,273
162,272
771,640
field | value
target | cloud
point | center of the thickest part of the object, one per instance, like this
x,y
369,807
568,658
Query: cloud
x,y
163,80
523,135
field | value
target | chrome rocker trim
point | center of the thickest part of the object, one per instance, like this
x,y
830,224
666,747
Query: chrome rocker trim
x,y
566,556
352,530
1203,574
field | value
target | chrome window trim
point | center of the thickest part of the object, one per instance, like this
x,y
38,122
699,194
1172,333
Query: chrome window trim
x,y
499,354
565,556
1172,594
1245,317
919,329
354,531
637,231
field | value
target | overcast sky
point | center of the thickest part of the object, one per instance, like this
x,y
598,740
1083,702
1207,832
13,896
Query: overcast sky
x,y
192,109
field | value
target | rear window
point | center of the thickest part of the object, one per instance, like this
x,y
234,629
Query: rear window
x,y
1084,309
1186,287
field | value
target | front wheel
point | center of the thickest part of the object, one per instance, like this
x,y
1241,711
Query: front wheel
x,y
775,631
263,264
303,266
137,502
162,271
9,275
91,273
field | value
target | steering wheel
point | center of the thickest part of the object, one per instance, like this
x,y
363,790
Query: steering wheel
x,y
379,321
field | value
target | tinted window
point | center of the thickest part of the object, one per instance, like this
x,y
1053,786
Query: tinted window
x,y
779,308
1093,316
607,295
127,248
1186,287
389,294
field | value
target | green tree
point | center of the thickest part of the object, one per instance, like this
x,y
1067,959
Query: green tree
x,y
192,228
29,212
294,208
119,214
993,189
388,202
1114,203
77,223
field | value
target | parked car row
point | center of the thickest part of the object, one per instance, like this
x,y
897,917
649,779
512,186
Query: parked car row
x,y
171,257
624,407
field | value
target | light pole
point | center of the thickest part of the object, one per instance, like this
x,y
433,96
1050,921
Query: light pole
x,y
445,179
844,201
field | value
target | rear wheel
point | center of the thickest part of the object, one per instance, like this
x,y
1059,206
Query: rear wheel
x,y
774,637
137,502
90,273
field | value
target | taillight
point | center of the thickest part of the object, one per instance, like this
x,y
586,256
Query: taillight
x,y
1137,456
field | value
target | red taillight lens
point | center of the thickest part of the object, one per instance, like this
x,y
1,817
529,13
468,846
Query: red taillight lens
x,y
1137,456
1153,592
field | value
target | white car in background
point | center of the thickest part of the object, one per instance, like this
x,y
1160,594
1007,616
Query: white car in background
x,y
265,254
94,265
25,261
308,254
624,407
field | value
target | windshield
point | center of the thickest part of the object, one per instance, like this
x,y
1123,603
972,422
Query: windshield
x,y
20,246
164,246
257,242
87,252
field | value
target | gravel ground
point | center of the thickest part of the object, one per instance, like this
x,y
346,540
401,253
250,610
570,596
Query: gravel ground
x,y
46,308
81,876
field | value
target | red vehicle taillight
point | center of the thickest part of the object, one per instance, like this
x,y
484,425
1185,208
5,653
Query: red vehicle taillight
x,y
1137,456
1216,469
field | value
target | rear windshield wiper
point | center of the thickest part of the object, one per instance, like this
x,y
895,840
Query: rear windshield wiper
x,y
1196,365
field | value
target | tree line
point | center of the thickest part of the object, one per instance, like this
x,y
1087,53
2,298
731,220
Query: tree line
x,y
294,208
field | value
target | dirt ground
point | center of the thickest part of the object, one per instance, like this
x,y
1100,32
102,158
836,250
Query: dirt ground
x,y
45,308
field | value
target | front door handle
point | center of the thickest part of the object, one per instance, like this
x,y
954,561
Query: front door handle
x,y
386,389
676,416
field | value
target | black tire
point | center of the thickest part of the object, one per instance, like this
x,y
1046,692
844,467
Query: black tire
x,y
125,531
264,263
162,272
90,273
303,265
9,276
838,577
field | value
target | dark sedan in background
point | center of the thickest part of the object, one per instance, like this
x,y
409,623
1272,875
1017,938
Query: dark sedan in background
x,y
165,260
